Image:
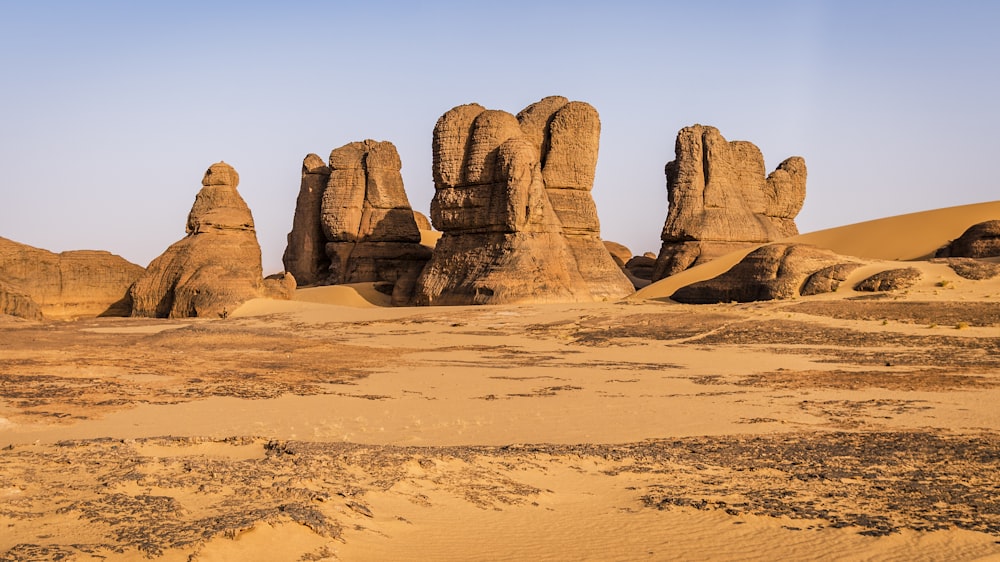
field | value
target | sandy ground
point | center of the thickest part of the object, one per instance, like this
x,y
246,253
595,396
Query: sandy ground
x,y
845,426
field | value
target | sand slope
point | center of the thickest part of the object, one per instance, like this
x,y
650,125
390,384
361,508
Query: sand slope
x,y
914,236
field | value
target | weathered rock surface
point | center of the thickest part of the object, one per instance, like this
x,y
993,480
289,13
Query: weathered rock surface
x,y
828,279
217,266
512,199
305,255
15,302
979,241
353,221
774,271
619,252
720,200
969,268
890,280
70,284
641,267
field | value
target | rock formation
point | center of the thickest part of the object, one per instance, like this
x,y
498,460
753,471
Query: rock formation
x,y
970,268
15,302
774,271
70,284
619,252
979,241
720,201
305,255
512,199
890,280
353,222
641,267
217,266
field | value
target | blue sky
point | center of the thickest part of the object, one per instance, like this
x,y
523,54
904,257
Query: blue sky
x,y
110,112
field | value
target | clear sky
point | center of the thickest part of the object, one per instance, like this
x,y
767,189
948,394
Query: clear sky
x,y
110,112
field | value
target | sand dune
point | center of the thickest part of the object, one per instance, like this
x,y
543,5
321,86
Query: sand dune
x,y
914,236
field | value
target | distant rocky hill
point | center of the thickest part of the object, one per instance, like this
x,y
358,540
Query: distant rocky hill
x,y
36,283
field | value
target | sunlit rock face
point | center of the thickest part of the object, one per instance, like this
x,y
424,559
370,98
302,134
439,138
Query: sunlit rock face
x,y
720,199
217,266
512,199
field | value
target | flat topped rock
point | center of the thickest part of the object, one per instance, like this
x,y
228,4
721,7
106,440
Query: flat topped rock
x,y
38,283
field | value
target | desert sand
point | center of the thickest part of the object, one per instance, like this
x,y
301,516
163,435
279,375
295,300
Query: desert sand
x,y
843,426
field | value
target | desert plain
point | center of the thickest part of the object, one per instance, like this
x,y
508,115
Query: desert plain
x,y
849,425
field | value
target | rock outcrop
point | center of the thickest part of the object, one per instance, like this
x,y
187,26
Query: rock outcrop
x,y
981,240
15,302
970,268
619,252
774,271
890,280
72,284
305,255
512,199
720,200
217,266
353,222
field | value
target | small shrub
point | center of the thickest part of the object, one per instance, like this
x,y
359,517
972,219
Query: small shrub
x,y
961,325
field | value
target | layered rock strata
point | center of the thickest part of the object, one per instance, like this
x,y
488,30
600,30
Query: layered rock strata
x,y
720,200
217,266
72,284
353,222
512,199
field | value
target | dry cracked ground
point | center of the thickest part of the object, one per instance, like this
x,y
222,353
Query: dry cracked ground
x,y
107,496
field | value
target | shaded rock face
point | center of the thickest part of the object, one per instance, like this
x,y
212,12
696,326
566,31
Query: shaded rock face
x,y
774,271
720,200
305,255
512,199
353,222
72,284
217,266
979,241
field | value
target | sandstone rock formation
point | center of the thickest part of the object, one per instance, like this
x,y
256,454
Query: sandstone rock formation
x,y
890,280
774,271
512,199
641,267
305,255
217,266
720,201
15,302
969,268
979,241
70,284
353,222
619,252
